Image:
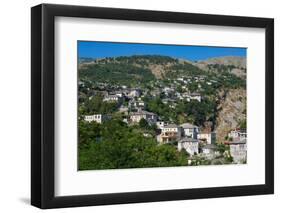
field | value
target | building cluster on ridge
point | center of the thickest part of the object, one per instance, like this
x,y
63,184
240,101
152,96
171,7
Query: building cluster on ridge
x,y
185,136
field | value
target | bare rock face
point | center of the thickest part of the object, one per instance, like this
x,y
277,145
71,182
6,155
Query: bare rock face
x,y
239,73
158,71
231,111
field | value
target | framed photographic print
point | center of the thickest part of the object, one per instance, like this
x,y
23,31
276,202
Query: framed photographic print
x,y
139,106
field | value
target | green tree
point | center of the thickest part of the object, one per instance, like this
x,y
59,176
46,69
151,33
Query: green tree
x,y
143,124
119,146
243,124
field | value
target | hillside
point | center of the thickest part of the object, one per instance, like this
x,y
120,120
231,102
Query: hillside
x,y
133,67
140,67
227,60
171,79
157,111
233,64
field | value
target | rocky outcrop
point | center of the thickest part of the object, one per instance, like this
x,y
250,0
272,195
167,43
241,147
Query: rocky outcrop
x,y
158,71
231,111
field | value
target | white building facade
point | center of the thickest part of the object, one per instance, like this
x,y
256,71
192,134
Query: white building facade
x,y
209,138
169,133
237,133
112,98
134,93
99,118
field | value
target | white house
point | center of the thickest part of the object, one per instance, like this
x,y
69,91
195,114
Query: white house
x,y
238,150
167,137
237,133
189,144
209,137
99,118
134,93
150,117
112,98
194,96
171,128
139,104
168,89
169,133
210,151
190,130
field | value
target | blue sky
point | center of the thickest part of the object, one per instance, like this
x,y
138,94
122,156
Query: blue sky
x,y
94,49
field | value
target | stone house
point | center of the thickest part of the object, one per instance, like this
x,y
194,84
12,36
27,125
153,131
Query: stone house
x,y
136,104
210,151
191,145
150,117
237,133
190,130
169,133
207,137
134,93
238,150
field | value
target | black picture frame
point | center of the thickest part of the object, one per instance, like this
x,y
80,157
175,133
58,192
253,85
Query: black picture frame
x,y
43,102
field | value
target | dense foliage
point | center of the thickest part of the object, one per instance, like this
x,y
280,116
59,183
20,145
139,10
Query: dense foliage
x,y
115,145
121,73
184,69
193,111
96,105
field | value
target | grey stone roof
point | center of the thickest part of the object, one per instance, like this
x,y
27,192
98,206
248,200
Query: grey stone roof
x,y
111,96
142,113
195,94
188,126
186,139
171,126
210,146
243,141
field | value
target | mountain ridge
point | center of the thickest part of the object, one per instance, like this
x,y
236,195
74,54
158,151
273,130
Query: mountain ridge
x,y
237,61
160,65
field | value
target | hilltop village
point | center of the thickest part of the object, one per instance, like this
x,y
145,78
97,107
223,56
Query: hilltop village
x,y
178,111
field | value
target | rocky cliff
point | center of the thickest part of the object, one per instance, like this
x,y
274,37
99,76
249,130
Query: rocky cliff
x,y
231,111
